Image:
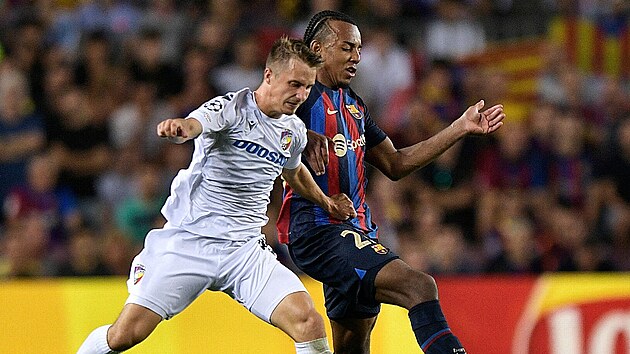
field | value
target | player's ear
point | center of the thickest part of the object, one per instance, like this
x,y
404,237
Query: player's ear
x,y
316,46
267,76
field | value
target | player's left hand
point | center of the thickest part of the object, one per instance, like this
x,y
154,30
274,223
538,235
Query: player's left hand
x,y
316,152
478,122
341,207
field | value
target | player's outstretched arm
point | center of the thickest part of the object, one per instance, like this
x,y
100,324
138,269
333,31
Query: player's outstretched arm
x,y
338,206
398,163
179,130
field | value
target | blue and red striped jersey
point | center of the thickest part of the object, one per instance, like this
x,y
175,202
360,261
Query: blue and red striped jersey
x,y
342,116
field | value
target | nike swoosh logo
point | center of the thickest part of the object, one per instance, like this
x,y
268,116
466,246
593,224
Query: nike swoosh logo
x,y
331,111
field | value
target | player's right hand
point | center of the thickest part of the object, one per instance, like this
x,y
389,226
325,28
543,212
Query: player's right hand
x,y
172,128
179,130
316,152
342,207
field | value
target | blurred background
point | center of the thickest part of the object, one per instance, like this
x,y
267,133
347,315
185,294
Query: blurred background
x,y
84,83
83,175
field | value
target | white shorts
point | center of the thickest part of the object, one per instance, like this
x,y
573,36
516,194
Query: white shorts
x,y
177,266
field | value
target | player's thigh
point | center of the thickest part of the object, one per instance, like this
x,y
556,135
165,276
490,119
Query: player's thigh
x,y
342,258
256,279
170,272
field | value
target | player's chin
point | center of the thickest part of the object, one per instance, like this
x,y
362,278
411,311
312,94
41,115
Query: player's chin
x,y
345,81
290,107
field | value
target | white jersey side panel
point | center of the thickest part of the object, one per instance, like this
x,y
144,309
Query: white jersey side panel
x,y
225,191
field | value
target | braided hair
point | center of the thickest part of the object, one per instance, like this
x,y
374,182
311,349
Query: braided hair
x,y
315,25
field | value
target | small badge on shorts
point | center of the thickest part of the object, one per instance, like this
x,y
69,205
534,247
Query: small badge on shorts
x,y
380,249
138,273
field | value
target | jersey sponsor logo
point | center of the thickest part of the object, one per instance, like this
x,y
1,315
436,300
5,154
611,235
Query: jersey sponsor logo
x,y
285,139
261,151
138,273
356,113
342,145
331,111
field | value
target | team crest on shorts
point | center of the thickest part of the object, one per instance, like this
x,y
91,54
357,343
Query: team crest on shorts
x,y
138,273
285,139
356,113
380,249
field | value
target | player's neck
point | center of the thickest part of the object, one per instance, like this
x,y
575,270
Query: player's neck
x,y
330,83
259,100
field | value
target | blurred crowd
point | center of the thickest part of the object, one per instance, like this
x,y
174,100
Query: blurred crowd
x,y
83,174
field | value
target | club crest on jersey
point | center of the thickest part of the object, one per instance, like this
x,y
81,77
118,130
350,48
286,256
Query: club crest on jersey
x,y
354,111
138,273
285,139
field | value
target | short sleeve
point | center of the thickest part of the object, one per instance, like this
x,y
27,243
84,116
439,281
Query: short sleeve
x,y
374,135
298,147
216,115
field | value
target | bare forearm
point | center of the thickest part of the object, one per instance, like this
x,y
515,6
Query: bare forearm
x,y
424,152
398,163
303,183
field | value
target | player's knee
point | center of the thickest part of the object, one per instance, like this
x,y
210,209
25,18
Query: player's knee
x,y
422,287
120,338
308,324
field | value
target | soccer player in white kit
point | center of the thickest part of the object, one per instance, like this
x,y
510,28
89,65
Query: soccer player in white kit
x,y
212,239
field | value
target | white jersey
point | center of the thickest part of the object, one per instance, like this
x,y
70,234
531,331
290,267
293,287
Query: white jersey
x,y
224,192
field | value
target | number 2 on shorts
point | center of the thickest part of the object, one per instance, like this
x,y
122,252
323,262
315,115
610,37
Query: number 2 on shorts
x,y
357,238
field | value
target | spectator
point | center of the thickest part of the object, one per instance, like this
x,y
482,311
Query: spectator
x,y
117,252
515,166
215,37
139,214
21,129
84,256
244,71
449,253
454,33
94,67
609,202
80,146
570,165
165,17
23,249
41,195
386,67
518,253
198,63
128,123
147,65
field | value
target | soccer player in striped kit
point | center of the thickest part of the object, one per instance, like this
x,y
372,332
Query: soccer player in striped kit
x,y
212,239
359,273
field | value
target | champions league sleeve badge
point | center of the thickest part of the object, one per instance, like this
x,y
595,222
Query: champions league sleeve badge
x,y
285,139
